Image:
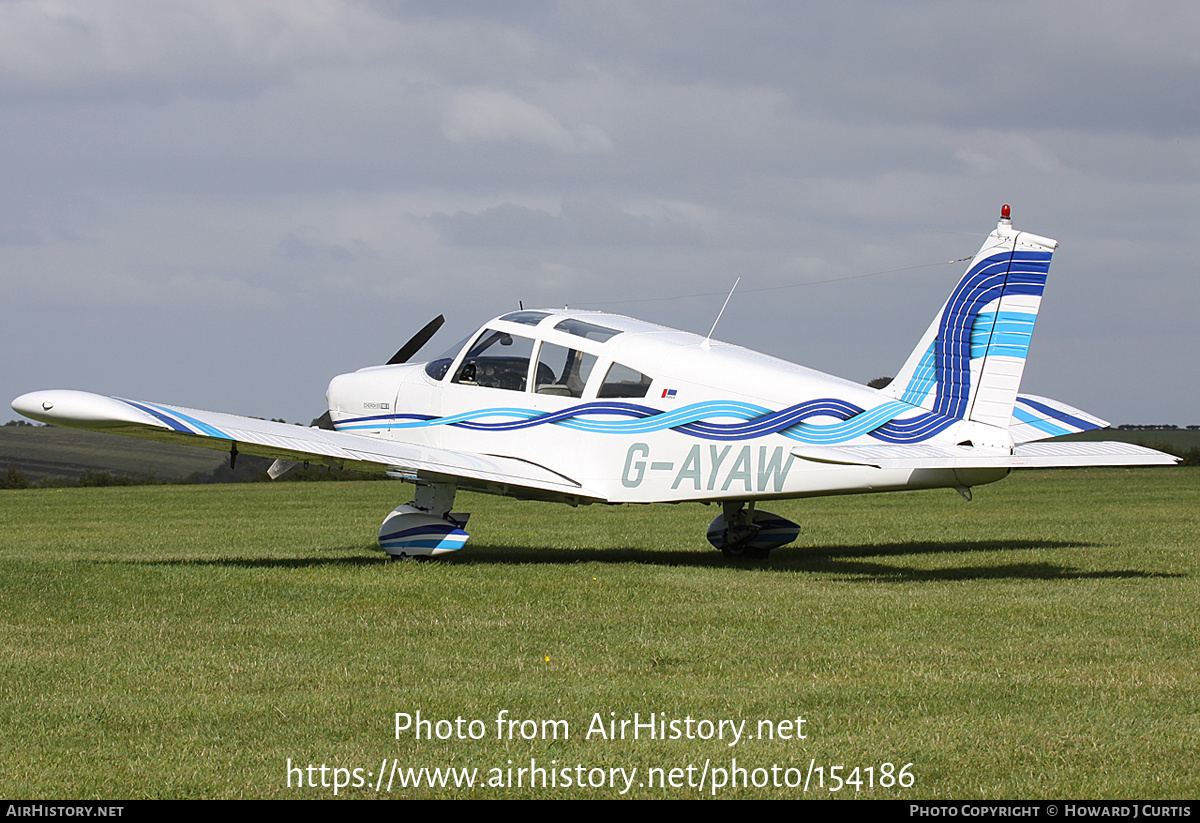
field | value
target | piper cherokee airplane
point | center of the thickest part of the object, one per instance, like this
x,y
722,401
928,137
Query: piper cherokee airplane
x,y
587,407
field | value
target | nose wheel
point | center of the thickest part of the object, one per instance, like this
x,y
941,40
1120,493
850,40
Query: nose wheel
x,y
738,541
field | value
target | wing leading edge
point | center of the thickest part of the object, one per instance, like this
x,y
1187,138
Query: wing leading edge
x,y
264,438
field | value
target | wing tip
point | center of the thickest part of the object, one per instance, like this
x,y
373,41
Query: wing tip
x,y
80,410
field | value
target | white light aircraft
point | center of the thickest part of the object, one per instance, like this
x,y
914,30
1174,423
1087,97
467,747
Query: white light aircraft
x,y
587,407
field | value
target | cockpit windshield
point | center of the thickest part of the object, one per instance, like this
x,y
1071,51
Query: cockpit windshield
x,y
497,360
438,367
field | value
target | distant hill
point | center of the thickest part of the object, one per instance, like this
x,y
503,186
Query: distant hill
x,y
57,453
1178,440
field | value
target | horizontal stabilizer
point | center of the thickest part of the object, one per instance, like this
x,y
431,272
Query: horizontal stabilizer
x,y
1037,418
1105,453
1024,456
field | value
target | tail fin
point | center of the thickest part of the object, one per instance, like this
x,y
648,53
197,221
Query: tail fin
x,y
969,363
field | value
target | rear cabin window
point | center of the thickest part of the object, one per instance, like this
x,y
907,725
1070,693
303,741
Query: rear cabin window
x,y
498,360
622,381
561,371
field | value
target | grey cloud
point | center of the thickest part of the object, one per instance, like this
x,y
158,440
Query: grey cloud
x,y
495,115
579,223
173,168
305,243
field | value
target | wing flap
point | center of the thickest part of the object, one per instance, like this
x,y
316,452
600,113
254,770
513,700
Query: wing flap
x,y
266,438
904,457
1024,456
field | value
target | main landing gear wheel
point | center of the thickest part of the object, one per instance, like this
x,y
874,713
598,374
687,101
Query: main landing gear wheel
x,y
744,550
743,533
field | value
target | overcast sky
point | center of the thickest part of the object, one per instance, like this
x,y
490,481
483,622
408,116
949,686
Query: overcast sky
x,y
223,204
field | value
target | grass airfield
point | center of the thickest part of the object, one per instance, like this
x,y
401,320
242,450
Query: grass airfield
x,y
1042,641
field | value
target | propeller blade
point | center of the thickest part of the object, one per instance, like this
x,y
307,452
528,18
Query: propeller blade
x,y
279,468
417,341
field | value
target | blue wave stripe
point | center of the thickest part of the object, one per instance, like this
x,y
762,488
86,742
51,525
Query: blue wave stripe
x,y
449,544
428,529
368,418
374,421
680,418
856,426
1040,423
698,420
431,536
772,422
177,420
1055,414
170,421
913,430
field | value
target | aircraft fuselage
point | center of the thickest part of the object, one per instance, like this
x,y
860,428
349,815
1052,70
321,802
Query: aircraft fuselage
x,y
691,420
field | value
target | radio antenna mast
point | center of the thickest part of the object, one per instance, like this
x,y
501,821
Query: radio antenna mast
x,y
707,340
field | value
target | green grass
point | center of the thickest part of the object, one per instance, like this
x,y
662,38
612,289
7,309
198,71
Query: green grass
x,y
187,641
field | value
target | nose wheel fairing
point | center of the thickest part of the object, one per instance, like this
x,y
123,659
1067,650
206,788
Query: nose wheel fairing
x,y
425,527
410,532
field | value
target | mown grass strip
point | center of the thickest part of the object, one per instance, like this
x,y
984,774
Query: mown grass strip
x,y
189,641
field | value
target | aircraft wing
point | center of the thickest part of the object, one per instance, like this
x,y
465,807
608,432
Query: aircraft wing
x,y
1023,456
265,438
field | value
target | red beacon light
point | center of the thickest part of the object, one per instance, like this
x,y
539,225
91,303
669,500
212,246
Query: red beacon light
x,y
1005,212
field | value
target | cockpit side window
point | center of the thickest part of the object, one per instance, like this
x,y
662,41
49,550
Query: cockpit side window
x,y
561,371
622,381
498,360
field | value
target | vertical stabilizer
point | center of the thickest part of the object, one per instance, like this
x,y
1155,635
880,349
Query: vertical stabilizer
x,y
970,361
